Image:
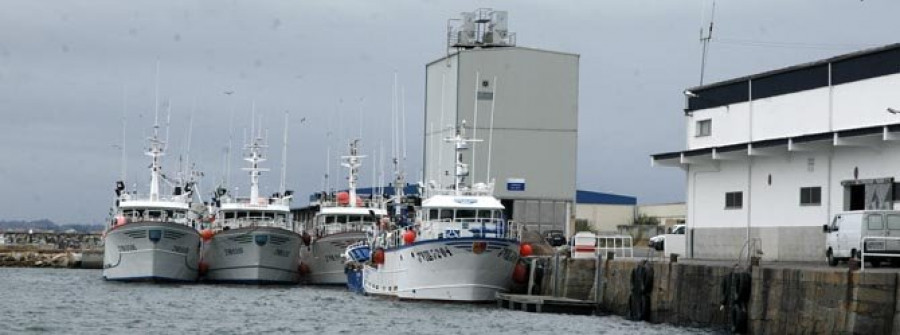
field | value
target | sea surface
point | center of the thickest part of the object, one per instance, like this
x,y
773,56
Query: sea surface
x,y
64,301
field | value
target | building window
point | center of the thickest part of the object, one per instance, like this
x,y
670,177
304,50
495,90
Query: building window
x,y
810,196
704,127
734,200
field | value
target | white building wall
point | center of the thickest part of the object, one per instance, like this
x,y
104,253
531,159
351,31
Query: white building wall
x,y
794,114
852,105
864,103
730,125
786,229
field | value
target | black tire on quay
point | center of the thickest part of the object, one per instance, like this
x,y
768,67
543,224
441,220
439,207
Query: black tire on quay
x,y
738,318
829,257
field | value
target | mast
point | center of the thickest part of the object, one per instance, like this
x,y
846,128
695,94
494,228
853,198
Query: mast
x,y
284,155
491,131
255,157
352,163
156,146
124,133
461,144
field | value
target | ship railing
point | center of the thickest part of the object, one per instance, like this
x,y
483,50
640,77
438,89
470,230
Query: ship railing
x,y
366,203
336,228
146,197
459,228
475,192
253,222
261,201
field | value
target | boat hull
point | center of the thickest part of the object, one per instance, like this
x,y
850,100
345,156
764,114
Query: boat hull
x,y
253,255
151,251
459,269
324,257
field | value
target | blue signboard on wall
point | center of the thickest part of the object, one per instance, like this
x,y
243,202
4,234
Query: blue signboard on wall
x,y
515,184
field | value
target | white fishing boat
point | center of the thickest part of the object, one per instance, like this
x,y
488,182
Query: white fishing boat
x,y
252,239
153,236
343,219
461,247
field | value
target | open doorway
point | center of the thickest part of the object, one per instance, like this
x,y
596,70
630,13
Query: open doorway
x,y
871,194
857,197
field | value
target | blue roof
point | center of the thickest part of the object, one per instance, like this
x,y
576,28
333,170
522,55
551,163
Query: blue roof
x,y
599,198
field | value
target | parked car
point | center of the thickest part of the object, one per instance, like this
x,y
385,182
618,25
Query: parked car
x,y
555,238
658,242
844,236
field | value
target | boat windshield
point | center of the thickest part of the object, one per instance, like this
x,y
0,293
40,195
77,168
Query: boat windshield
x,y
253,218
450,214
339,223
155,215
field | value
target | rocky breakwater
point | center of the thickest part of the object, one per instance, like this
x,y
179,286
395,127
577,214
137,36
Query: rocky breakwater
x,y
57,250
20,257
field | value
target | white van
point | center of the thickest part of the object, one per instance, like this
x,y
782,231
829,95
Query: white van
x,y
845,233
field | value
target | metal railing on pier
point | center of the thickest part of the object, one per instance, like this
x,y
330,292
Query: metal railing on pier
x,y
873,245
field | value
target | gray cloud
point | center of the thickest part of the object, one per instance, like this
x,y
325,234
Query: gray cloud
x,y
64,66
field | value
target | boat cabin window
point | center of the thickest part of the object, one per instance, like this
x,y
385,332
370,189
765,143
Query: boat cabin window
x,y
432,214
180,215
154,214
269,215
242,215
281,217
342,219
229,215
465,214
446,214
485,214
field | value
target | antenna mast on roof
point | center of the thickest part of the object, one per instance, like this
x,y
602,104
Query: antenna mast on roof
x,y
482,28
705,39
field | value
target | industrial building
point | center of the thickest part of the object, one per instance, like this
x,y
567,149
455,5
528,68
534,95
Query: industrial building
x,y
608,213
771,157
522,103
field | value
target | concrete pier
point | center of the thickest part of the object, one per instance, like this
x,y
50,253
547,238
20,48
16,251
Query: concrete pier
x,y
783,298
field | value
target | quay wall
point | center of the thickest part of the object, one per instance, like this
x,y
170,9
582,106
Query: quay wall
x,y
782,300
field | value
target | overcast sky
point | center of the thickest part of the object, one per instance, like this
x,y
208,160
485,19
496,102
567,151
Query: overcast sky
x,y
70,70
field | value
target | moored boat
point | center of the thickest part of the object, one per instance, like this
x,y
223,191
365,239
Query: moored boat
x,y
252,239
461,247
343,219
154,236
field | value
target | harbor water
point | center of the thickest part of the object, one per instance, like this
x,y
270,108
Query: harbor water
x,y
67,301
